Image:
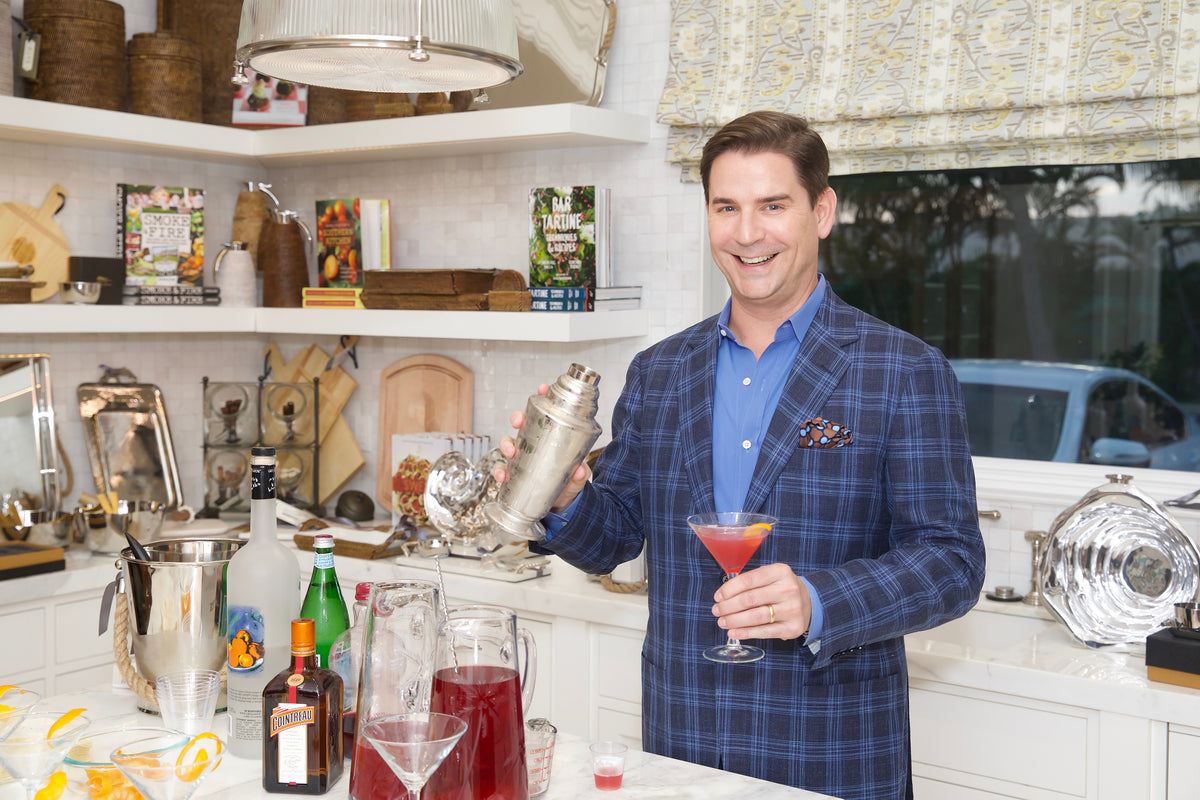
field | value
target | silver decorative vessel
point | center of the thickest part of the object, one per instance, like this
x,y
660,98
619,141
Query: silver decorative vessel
x,y
560,428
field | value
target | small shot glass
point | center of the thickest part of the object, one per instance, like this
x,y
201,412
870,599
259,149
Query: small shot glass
x,y
187,699
608,764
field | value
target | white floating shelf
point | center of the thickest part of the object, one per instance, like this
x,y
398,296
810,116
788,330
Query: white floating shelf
x,y
47,319
494,131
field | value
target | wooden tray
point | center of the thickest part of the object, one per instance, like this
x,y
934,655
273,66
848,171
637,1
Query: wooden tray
x,y
392,547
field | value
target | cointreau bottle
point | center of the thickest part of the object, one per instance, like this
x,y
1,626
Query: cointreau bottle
x,y
302,721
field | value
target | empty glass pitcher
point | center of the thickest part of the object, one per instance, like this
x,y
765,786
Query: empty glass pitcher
x,y
398,657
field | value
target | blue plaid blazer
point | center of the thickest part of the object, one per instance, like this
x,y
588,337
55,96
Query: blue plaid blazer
x,y
885,528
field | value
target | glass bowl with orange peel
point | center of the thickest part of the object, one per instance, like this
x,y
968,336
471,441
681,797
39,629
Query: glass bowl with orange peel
x,y
92,774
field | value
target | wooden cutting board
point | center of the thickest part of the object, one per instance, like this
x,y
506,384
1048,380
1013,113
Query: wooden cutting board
x,y
341,456
417,394
30,236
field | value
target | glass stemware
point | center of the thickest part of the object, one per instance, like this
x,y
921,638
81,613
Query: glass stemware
x,y
34,747
414,745
732,537
15,703
162,767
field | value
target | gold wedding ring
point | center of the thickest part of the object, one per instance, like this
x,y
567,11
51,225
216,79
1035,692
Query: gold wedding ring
x,y
771,609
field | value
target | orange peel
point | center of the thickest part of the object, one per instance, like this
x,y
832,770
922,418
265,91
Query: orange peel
x,y
64,720
54,787
757,531
188,771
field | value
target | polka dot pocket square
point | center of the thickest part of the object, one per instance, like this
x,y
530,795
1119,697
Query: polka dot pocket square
x,y
822,434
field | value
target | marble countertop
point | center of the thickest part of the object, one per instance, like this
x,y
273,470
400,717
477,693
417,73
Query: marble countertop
x,y
1022,650
646,775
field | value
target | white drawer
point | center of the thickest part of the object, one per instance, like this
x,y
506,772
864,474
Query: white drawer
x,y
75,631
984,740
618,664
24,637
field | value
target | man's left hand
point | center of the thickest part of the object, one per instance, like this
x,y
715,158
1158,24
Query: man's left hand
x,y
769,602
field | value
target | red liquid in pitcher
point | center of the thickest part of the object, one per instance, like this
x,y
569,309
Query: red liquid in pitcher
x,y
489,760
370,776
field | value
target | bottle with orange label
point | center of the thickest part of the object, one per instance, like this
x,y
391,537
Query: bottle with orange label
x,y
302,721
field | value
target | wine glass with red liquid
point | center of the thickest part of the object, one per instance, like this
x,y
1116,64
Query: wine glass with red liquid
x,y
732,537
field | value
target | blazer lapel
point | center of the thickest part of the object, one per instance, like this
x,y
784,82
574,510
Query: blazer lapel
x,y
819,367
698,379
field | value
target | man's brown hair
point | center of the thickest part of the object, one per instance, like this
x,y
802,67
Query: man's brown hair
x,y
773,132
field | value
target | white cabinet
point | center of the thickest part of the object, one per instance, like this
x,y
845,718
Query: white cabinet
x,y
52,644
616,656
1183,763
968,743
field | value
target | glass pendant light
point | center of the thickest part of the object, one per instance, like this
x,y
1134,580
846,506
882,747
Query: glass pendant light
x,y
380,45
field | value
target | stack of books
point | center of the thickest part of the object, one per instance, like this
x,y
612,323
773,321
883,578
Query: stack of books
x,y
179,295
332,297
583,298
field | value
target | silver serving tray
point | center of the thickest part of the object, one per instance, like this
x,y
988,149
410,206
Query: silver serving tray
x,y
1115,565
129,442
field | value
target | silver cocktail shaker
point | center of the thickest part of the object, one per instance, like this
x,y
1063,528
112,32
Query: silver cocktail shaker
x,y
560,427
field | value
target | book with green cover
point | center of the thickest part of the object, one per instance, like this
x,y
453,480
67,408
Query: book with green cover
x,y
568,235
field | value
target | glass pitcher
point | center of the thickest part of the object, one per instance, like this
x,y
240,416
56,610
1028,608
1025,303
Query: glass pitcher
x,y
476,678
397,667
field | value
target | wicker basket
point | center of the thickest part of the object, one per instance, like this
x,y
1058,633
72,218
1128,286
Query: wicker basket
x,y
6,54
377,105
326,106
164,76
213,26
82,60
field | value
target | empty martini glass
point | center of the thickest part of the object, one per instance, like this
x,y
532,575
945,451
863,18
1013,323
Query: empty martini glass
x,y
732,537
162,767
414,745
14,704
33,749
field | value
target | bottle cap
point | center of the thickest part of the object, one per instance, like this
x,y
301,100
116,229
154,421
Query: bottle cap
x,y
304,637
323,540
362,590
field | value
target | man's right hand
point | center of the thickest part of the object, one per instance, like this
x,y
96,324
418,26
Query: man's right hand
x,y
508,448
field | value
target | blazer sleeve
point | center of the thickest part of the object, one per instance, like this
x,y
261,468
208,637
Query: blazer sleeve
x,y
933,566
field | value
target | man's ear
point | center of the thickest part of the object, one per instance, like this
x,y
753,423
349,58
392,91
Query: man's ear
x,y
825,210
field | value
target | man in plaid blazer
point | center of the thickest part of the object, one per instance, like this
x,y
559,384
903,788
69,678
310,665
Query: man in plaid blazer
x,y
848,431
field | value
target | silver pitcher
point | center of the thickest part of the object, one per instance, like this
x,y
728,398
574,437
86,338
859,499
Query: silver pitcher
x,y
560,427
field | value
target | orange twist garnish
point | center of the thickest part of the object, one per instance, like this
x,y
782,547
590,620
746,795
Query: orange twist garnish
x,y
188,771
64,720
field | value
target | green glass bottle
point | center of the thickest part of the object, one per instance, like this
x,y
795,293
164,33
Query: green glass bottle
x,y
324,603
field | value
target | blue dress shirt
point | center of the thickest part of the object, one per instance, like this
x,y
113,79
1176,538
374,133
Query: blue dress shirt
x,y
748,391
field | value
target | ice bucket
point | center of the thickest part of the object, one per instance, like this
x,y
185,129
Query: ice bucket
x,y
176,603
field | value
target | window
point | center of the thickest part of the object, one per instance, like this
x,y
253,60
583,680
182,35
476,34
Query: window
x,y
1090,265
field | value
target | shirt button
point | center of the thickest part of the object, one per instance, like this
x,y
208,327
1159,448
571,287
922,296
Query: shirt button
x,y
745,381
746,445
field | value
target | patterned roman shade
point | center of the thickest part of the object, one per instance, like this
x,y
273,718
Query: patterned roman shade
x,y
897,85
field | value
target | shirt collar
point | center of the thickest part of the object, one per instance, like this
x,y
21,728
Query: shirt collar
x,y
797,324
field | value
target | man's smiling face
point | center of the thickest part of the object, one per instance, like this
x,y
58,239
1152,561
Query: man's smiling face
x,y
764,230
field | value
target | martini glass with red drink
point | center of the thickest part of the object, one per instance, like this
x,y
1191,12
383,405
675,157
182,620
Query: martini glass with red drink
x,y
732,537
